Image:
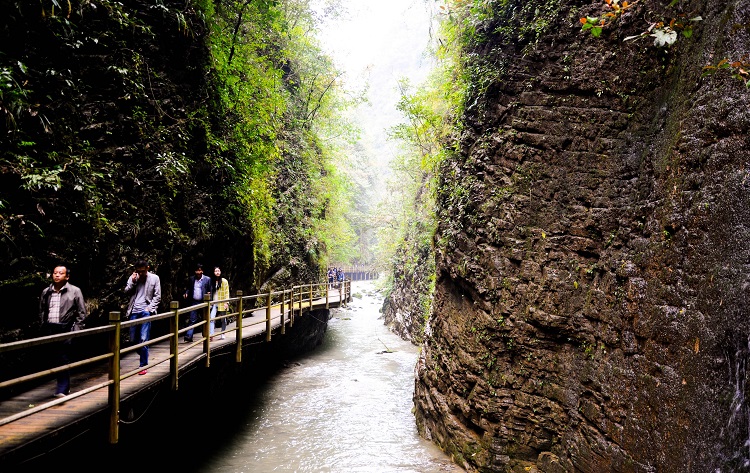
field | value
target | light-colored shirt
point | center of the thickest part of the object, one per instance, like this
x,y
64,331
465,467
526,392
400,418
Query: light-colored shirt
x,y
54,307
140,304
198,289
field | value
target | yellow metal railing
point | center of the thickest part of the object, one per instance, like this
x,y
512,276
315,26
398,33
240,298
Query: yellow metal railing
x,y
291,302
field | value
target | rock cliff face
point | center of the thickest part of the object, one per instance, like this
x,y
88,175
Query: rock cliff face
x,y
406,306
592,259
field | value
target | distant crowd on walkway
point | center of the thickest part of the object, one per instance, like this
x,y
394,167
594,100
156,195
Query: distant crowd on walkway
x,y
335,277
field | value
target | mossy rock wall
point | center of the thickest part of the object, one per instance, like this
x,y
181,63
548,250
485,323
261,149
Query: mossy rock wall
x,y
590,310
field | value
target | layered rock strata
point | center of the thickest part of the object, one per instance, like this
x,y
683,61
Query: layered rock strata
x,y
590,310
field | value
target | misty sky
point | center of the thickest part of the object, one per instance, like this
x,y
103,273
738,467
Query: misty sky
x,y
380,42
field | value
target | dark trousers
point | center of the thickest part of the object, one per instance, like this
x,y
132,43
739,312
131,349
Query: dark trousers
x,y
60,354
194,317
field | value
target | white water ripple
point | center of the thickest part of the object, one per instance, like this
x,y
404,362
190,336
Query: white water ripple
x,y
345,407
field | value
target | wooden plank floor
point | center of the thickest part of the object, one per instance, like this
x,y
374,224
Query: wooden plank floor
x,y
65,412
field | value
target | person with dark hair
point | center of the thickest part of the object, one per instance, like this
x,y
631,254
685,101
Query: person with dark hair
x,y
62,309
198,285
144,289
219,292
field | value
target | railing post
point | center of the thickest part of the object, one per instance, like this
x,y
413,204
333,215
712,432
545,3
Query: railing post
x,y
291,307
327,291
206,336
268,317
281,312
114,376
311,297
174,328
238,328
300,301
341,299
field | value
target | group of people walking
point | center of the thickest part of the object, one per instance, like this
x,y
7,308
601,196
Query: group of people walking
x,y
62,309
199,285
335,277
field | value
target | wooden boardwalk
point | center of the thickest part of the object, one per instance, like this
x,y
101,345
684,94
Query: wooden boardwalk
x,y
35,417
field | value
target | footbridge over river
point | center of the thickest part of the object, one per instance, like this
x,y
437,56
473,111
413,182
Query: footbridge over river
x,y
360,272
106,384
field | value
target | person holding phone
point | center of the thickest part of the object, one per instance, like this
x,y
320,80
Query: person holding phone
x,y
144,289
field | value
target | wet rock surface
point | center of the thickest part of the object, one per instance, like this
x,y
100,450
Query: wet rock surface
x,y
592,260
405,308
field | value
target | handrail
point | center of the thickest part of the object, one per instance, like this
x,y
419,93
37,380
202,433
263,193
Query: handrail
x,y
10,346
291,302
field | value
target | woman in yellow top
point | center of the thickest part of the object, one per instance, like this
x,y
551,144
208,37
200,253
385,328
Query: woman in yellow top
x,y
219,292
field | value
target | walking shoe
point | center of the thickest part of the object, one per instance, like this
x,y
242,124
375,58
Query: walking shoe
x,y
222,337
59,395
142,372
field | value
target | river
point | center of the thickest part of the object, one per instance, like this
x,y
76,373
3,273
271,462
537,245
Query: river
x,y
345,407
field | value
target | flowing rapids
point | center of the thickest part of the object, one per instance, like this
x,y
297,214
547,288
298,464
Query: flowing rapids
x,y
345,407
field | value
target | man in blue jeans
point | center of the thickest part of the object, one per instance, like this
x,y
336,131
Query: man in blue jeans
x,y
144,289
197,286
